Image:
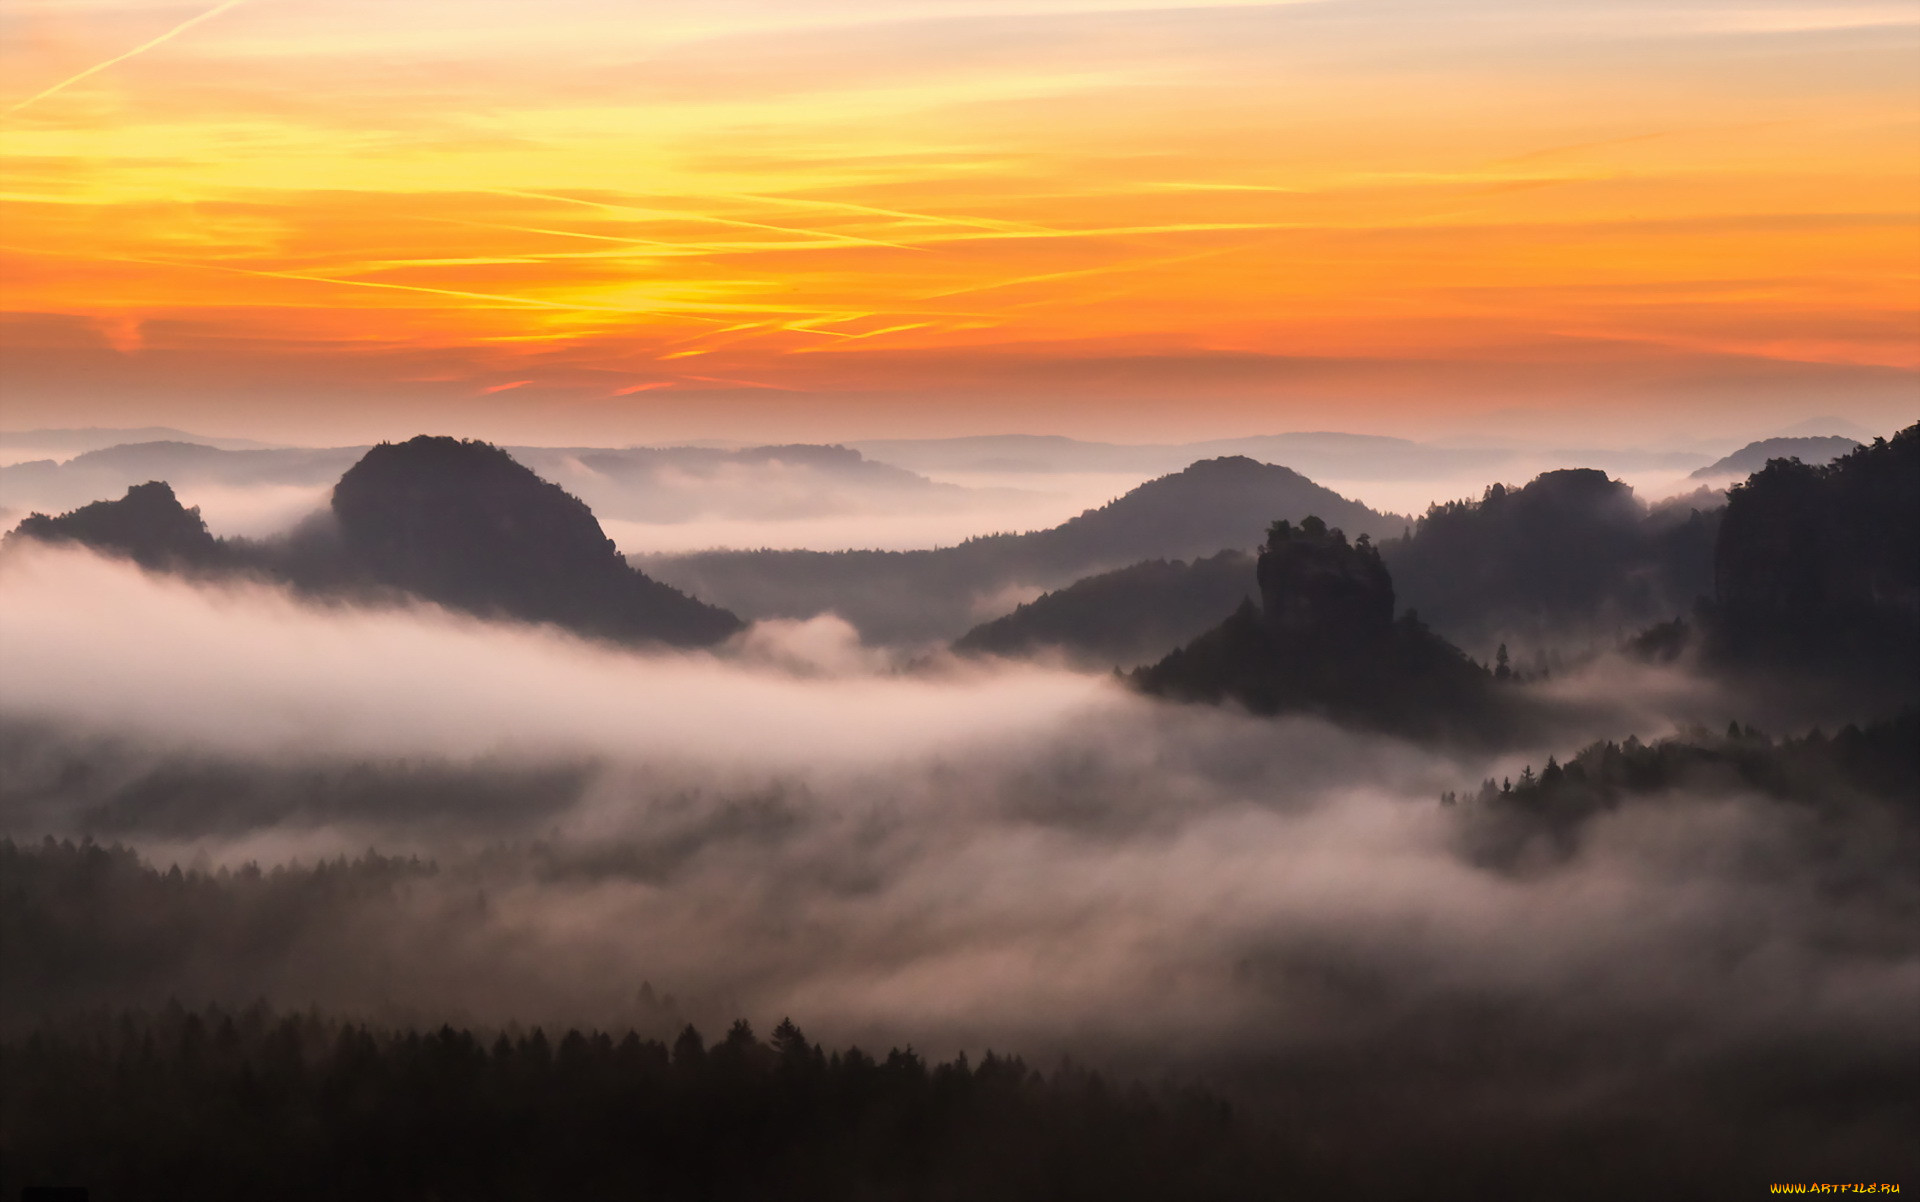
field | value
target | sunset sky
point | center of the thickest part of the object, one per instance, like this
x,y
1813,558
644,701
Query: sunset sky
x,y
767,219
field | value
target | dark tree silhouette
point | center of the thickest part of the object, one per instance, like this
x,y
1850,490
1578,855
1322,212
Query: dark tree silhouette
x,y
1573,552
1870,772
249,1104
1819,567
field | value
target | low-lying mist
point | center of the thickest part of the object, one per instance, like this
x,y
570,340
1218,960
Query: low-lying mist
x,y
951,855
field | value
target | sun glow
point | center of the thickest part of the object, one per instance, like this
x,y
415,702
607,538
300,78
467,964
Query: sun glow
x,y
1229,205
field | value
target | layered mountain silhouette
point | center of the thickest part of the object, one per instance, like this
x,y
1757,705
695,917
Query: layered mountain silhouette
x,y
1324,640
71,441
1211,506
677,484
1121,618
1322,454
456,522
650,484
107,473
1573,554
1755,455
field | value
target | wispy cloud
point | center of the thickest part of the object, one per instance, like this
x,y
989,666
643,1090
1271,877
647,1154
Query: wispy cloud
x,y
142,48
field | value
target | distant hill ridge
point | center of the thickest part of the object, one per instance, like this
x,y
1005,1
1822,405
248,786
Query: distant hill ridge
x,y
1191,509
1813,451
1571,558
1322,454
1212,505
70,441
649,484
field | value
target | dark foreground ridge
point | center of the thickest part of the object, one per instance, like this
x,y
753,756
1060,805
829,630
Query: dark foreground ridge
x,y
1325,640
251,1105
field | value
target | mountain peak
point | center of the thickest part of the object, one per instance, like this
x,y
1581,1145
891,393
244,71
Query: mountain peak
x,y
1226,467
463,523
1183,513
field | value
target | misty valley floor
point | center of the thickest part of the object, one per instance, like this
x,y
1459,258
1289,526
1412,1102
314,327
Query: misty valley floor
x,y
1296,971
435,850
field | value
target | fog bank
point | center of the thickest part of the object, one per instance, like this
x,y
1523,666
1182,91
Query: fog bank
x,y
955,857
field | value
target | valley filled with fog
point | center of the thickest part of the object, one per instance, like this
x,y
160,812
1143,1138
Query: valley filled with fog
x,y
412,795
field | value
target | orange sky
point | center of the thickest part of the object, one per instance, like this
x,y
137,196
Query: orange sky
x,y
584,219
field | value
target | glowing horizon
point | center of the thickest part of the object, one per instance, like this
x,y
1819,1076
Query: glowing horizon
x,y
954,218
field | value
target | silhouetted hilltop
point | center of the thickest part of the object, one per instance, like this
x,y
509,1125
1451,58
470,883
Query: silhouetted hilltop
x,y
905,595
1124,617
1324,640
1820,566
1199,510
148,525
462,523
1573,553
1755,455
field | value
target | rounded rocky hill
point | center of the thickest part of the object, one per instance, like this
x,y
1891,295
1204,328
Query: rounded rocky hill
x,y
462,523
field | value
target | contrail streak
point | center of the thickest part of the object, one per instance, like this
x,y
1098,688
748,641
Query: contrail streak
x,y
143,47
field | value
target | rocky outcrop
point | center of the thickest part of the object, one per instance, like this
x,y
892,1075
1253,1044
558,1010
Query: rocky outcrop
x,y
1324,640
